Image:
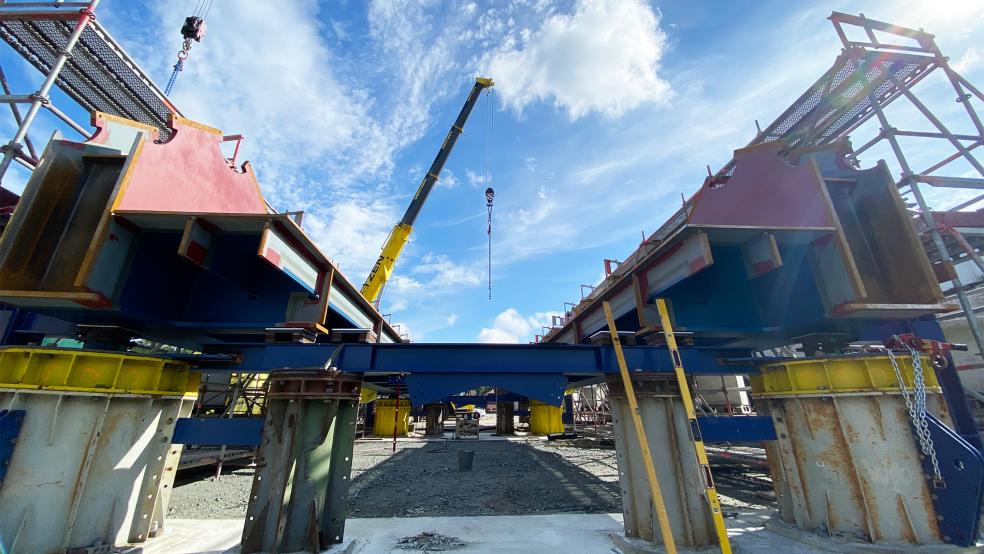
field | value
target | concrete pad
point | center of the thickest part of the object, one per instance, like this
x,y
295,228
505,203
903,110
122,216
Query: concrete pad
x,y
749,533
483,534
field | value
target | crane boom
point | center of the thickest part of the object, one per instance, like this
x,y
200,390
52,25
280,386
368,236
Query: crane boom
x,y
383,268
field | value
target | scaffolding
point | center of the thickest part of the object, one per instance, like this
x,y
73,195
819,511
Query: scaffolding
x,y
591,407
66,43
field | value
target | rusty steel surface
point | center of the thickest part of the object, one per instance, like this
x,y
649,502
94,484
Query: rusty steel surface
x,y
88,469
298,501
850,466
674,459
313,384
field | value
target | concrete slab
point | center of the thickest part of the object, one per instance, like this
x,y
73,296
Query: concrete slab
x,y
588,533
483,534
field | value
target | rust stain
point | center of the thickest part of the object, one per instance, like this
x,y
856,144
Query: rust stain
x,y
837,459
908,532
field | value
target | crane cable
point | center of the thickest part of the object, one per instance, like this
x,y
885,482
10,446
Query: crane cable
x,y
192,30
489,192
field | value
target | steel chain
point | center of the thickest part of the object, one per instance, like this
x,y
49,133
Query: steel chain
x,y
916,404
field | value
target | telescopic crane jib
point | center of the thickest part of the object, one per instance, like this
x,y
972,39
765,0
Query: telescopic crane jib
x,y
383,267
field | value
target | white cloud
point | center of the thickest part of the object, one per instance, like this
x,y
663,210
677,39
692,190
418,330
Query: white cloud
x,y
352,233
433,275
339,29
495,335
967,61
603,57
401,284
447,180
445,273
531,163
509,327
512,327
474,179
404,330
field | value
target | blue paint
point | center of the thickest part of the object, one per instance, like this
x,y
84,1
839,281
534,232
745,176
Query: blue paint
x,y
737,428
297,279
19,326
958,503
10,425
216,431
575,361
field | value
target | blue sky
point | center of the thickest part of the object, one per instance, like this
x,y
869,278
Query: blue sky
x,y
605,112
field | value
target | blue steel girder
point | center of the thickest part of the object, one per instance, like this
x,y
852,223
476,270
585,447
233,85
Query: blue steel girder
x,y
435,371
565,359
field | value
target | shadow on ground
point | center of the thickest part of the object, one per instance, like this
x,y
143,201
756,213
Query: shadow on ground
x,y
508,478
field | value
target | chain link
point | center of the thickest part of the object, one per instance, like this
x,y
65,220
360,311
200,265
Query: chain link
x,y
916,404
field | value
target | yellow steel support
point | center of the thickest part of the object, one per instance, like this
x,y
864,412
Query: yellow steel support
x,y
861,374
546,419
710,492
647,457
101,373
387,418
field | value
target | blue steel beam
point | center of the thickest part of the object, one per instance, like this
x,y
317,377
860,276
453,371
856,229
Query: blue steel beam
x,y
245,431
558,359
218,431
436,371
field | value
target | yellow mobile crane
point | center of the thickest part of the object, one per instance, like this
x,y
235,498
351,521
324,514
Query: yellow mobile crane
x,y
383,268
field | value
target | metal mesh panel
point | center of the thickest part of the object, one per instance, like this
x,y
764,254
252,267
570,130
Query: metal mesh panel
x,y
839,101
97,75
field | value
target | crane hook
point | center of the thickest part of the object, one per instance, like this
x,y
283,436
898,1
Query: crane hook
x,y
489,197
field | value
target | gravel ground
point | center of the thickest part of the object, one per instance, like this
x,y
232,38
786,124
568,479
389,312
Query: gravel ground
x,y
513,477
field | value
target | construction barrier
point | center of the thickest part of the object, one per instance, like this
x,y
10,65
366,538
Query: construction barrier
x,y
93,462
386,418
545,419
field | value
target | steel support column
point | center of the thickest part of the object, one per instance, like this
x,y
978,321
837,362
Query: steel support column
x,y
504,417
674,458
848,460
434,414
298,499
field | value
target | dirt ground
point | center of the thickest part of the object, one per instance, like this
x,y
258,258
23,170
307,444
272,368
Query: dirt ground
x,y
526,476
